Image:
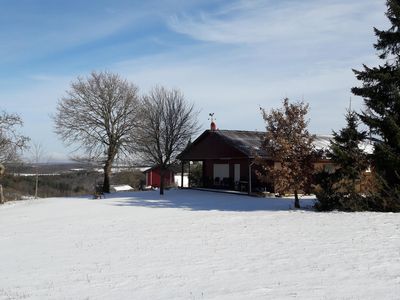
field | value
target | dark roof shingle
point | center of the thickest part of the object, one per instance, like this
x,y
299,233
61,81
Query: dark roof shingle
x,y
247,142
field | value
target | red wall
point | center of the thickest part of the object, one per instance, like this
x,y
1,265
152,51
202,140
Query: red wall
x,y
153,178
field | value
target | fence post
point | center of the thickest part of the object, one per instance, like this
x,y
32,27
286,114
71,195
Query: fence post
x,y
1,195
2,171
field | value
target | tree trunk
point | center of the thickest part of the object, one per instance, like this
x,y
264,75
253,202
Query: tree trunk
x,y
296,200
111,153
162,175
36,185
1,195
107,173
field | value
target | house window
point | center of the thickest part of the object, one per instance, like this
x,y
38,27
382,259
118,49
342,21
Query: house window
x,y
237,173
221,171
329,168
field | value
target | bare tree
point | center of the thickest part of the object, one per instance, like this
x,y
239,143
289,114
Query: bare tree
x,y
168,122
99,113
11,142
37,153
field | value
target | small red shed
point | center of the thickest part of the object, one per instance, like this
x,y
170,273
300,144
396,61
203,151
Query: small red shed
x,y
153,177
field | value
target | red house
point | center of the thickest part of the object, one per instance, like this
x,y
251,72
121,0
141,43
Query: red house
x,y
227,158
153,177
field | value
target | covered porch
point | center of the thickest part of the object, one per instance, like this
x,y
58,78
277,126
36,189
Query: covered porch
x,y
234,175
222,160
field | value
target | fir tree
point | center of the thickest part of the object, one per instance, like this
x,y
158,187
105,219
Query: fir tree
x,y
381,92
288,143
347,154
338,190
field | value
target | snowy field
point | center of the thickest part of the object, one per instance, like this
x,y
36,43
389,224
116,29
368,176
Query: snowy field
x,y
194,245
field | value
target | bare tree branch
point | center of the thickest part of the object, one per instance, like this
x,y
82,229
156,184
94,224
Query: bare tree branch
x,y
168,122
98,114
11,142
37,152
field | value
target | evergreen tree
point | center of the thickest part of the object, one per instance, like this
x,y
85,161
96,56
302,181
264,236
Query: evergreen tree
x,y
287,142
338,190
347,154
381,92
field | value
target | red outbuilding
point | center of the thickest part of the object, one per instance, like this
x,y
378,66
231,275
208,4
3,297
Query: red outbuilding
x,y
153,177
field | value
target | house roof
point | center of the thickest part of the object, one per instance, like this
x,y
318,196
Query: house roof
x,y
322,142
249,142
244,143
155,168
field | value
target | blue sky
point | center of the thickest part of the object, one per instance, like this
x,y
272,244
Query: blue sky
x,y
228,57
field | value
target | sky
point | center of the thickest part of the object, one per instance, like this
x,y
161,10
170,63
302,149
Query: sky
x,y
227,57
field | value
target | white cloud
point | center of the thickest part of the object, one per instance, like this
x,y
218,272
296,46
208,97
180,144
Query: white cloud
x,y
267,21
235,92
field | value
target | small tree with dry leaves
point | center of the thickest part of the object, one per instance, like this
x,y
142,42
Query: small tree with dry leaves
x,y
289,147
99,114
168,122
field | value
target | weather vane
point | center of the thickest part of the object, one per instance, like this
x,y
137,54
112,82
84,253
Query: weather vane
x,y
213,126
211,117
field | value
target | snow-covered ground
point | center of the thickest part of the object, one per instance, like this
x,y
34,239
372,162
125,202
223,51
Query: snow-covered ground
x,y
194,245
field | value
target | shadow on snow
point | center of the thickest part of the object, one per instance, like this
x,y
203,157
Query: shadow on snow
x,y
202,201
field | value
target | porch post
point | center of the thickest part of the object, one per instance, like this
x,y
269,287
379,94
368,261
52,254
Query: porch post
x,y
203,175
250,164
182,164
189,176
249,178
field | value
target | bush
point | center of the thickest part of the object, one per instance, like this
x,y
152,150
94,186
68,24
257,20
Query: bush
x,y
331,195
344,202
